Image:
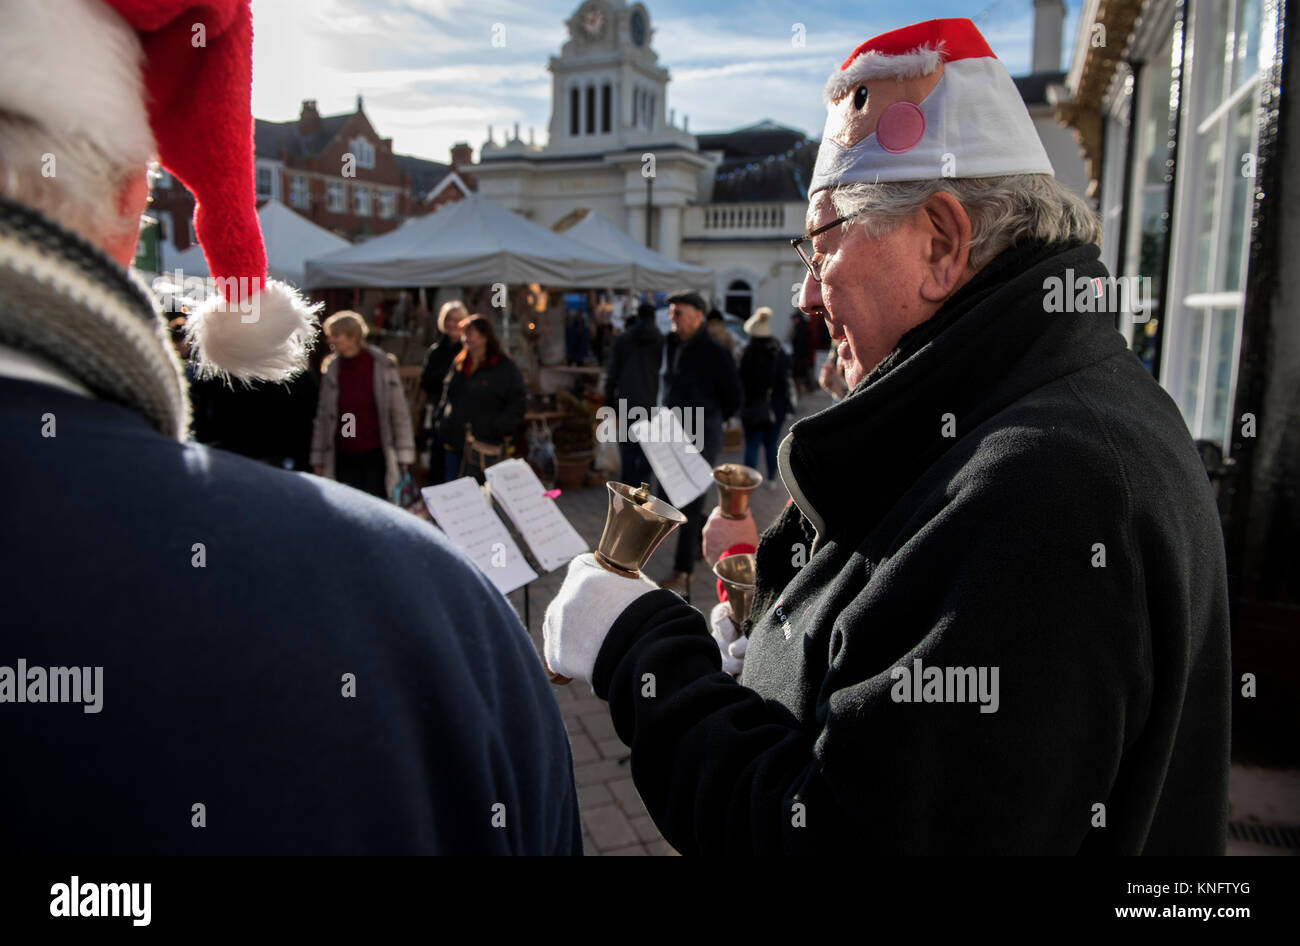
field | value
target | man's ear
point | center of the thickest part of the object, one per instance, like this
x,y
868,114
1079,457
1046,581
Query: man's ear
x,y
129,200
947,247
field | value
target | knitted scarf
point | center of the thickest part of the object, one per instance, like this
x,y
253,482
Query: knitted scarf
x,y
68,302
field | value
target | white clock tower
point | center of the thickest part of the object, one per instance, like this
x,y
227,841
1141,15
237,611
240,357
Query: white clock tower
x,y
611,147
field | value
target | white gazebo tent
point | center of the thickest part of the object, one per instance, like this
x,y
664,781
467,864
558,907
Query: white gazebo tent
x,y
651,270
473,241
290,239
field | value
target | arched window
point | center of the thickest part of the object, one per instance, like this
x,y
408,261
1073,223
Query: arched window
x,y
575,110
740,299
591,109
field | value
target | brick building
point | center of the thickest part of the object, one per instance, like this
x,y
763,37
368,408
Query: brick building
x,y
336,171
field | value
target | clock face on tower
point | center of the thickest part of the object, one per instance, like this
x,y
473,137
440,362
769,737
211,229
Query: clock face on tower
x,y
638,25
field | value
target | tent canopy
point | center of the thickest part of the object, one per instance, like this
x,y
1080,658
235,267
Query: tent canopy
x,y
473,241
290,239
651,270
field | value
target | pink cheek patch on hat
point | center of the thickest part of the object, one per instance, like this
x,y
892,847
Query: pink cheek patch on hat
x,y
900,127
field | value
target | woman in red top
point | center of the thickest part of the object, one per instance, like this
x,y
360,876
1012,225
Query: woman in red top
x,y
363,426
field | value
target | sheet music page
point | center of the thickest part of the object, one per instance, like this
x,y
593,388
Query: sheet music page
x,y
551,538
463,513
682,472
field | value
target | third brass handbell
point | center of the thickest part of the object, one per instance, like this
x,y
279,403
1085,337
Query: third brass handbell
x,y
634,526
738,575
735,484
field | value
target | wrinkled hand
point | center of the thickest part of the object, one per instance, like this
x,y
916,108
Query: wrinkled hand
x,y
731,642
582,613
721,534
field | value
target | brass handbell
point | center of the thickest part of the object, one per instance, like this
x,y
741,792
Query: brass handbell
x,y
735,484
738,574
634,526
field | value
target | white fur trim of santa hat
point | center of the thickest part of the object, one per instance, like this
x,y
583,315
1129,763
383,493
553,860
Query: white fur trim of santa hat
x,y
873,65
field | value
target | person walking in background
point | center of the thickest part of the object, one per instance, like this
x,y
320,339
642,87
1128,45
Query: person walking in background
x,y
433,380
701,380
801,351
633,378
484,394
362,435
765,376
716,323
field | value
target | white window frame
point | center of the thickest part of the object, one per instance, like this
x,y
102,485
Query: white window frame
x,y
269,190
336,197
361,201
363,151
1195,319
300,192
387,205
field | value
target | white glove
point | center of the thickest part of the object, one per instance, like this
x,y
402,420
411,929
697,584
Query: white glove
x,y
577,621
721,534
731,642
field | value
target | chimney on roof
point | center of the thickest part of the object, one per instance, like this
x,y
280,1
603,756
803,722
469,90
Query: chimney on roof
x,y
308,119
1049,24
358,101
461,154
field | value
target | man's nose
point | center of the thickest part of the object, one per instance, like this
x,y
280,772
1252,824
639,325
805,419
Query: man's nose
x,y
810,295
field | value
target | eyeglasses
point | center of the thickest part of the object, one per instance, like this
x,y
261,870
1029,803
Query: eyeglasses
x,y
804,245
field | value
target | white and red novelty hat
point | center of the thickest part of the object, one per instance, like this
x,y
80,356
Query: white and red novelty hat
x,y
922,102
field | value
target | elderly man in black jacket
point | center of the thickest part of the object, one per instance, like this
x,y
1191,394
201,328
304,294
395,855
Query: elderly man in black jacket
x,y
994,617
633,380
703,383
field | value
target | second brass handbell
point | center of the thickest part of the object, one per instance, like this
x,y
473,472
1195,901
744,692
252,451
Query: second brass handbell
x,y
738,574
735,484
634,526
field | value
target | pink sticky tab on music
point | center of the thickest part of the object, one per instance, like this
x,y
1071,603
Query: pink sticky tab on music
x,y
551,494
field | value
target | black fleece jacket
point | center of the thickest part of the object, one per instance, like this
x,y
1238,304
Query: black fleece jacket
x,y
1009,490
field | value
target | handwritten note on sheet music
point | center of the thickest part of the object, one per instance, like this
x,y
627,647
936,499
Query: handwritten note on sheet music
x,y
682,472
462,512
550,537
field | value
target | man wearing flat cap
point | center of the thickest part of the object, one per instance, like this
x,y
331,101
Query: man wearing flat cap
x,y
994,618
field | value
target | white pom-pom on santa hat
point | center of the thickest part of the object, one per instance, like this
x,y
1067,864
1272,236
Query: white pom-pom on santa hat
x,y
267,337
198,64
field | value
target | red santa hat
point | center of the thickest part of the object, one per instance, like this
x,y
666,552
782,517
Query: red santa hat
x,y
197,87
925,101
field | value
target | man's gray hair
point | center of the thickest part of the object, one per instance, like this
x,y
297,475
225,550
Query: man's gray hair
x,y
66,177
1002,210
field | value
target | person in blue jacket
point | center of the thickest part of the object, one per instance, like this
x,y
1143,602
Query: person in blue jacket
x,y
201,654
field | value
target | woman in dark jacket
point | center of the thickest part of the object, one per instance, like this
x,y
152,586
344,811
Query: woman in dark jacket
x,y
765,375
433,379
484,394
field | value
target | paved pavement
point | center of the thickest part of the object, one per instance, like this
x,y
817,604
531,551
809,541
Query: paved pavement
x,y
614,821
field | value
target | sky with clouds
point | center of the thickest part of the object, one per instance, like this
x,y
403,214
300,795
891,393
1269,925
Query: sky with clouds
x,y
430,75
